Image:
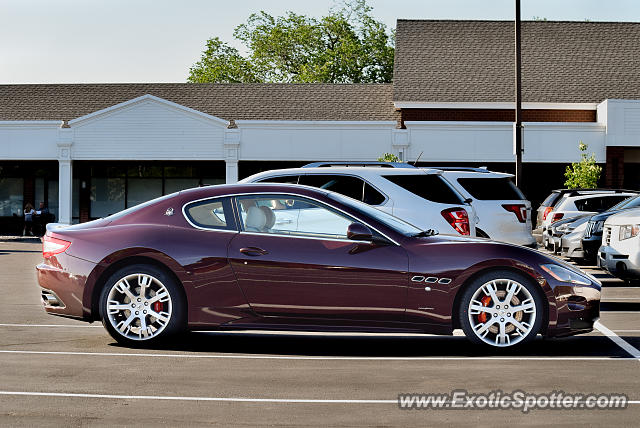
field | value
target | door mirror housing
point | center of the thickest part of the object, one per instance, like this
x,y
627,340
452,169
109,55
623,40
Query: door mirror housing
x,y
359,232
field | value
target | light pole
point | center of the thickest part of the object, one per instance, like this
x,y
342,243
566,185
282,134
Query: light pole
x,y
517,130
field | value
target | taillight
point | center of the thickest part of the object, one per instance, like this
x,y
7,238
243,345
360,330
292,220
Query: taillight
x,y
458,219
52,246
556,217
546,212
519,210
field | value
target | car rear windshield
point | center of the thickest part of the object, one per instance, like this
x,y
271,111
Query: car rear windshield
x,y
431,187
491,189
551,200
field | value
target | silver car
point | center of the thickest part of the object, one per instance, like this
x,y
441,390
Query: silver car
x,y
571,242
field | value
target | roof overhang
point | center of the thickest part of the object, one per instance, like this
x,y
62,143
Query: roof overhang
x,y
493,106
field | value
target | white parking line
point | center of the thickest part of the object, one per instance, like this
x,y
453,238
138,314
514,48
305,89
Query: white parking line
x,y
227,399
311,357
51,325
617,340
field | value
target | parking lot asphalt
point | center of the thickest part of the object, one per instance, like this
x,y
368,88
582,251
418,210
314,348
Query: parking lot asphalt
x,y
61,372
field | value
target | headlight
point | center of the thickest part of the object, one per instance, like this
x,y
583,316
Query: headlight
x,y
628,231
565,275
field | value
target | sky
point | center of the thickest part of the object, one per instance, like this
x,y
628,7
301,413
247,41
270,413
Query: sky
x,y
105,41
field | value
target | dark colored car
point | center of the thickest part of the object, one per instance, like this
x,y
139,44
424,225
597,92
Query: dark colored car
x,y
274,256
592,239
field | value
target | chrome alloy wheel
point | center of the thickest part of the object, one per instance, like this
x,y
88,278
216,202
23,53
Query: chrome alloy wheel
x,y
502,312
139,306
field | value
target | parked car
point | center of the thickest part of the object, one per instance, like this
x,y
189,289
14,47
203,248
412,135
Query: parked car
x,y
504,213
418,196
571,242
273,256
557,230
578,204
552,200
592,239
620,250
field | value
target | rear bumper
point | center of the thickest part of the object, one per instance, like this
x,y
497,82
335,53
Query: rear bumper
x,y
62,281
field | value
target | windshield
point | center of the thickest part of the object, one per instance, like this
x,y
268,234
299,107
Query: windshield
x,y
388,220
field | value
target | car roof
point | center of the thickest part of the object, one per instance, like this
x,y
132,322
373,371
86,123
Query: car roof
x,y
350,170
239,188
598,195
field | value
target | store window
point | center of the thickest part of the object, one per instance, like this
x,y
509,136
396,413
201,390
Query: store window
x,y
107,196
11,196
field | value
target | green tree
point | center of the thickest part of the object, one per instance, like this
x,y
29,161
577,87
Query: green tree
x,y
584,174
389,157
346,46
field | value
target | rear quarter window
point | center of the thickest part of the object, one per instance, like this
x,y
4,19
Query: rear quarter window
x,y
431,187
210,214
598,204
491,189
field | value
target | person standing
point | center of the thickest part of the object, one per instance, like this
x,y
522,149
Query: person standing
x,y
29,212
42,217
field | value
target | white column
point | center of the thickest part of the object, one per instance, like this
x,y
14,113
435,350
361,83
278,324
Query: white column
x,y
65,176
231,145
400,142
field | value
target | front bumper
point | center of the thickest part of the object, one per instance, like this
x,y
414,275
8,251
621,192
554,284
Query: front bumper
x,y
577,309
618,264
572,248
591,245
62,280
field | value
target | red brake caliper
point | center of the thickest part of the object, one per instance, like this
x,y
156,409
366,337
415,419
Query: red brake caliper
x,y
158,306
482,316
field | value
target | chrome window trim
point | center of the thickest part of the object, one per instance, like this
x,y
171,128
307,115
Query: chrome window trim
x,y
231,195
195,226
304,237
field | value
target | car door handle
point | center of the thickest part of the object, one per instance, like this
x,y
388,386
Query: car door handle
x,y
253,251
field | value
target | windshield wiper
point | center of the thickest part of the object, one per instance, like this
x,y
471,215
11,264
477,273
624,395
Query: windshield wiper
x,y
428,232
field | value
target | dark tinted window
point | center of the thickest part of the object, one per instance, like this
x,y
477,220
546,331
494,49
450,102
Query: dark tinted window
x,y
493,189
551,200
284,179
599,204
352,187
431,187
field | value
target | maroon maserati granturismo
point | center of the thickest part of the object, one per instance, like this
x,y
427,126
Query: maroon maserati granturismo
x,y
287,257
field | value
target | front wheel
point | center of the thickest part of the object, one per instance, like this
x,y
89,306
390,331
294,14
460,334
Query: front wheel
x,y
142,304
501,309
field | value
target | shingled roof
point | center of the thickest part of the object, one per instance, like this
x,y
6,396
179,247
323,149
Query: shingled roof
x,y
357,102
472,61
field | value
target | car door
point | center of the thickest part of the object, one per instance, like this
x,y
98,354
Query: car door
x,y
292,259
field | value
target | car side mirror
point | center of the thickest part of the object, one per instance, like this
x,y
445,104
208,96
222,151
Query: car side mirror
x,y
359,232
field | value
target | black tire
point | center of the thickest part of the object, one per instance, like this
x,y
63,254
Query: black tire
x,y
164,329
502,278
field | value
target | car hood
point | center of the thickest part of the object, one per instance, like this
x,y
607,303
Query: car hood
x,y
605,215
625,217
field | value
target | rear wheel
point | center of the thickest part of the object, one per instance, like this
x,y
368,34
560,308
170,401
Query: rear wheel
x,y
501,309
141,304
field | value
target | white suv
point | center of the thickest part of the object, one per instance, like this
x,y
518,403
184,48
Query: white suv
x,y
620,250
504,214
419,196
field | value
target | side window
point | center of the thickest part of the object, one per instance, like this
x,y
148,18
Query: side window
x,y
286,215
210,214
284,179
372,196
431,187
352,187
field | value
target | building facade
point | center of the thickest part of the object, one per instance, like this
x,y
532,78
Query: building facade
x,y
89,150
